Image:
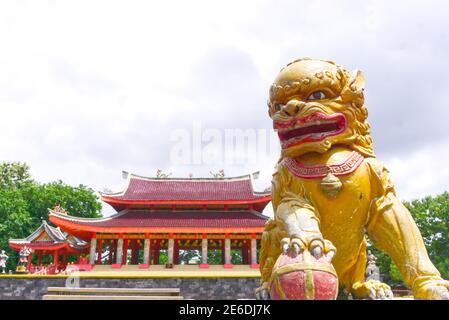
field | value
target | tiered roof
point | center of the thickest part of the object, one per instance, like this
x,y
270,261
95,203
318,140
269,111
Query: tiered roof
x,y
141,190
49,238
144,221
176,205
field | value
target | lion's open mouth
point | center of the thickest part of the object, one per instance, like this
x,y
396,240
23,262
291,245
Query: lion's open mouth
x,y
315,127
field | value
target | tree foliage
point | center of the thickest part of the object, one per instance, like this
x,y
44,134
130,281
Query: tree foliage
x,y
24,203
431,215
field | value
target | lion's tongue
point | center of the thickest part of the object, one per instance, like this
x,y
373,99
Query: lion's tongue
x,y
318,128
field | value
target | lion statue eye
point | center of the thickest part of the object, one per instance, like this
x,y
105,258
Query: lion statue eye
x,y
278,106
317,95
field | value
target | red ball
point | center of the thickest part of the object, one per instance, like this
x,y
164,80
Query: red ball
x,y
302,277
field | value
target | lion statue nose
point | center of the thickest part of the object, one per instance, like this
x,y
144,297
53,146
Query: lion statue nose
x,y
293,107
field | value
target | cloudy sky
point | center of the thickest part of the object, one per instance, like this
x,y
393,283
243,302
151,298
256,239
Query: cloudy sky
x,y
91,88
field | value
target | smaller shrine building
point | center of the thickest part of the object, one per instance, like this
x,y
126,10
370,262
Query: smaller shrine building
x,y
48,240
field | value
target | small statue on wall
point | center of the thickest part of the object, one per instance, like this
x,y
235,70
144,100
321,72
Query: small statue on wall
x,y
372,270
3,259
23,260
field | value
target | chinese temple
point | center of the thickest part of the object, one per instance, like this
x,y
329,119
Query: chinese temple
x,y
48,240
163,214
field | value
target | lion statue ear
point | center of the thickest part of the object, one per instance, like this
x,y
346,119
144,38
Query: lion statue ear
x,y
353,90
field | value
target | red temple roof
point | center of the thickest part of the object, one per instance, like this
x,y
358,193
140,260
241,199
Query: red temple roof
x,y
49,238
179,191
145,221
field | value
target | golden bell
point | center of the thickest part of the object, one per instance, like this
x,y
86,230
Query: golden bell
x,y
331,185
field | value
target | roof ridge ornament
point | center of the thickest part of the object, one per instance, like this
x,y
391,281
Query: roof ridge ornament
x,y
59,209
219,175
161,175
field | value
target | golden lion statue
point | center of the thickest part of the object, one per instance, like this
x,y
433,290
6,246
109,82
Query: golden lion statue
x,y
329,191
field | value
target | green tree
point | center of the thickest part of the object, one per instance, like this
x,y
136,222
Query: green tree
x,y
14,174
25,202
431,215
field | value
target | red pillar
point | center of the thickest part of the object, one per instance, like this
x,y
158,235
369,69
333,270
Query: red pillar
x,y
250,249
79,258
39,259
134,252
111,250
222,251
175,252
64,259
151,251
245,252
125,251
55,258
99,251
156,252
29,261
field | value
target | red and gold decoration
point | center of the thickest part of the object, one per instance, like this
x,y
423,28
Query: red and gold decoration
x,y
302,277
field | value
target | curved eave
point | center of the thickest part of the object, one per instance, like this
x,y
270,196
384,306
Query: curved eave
x,y
89,231
263,199
36,246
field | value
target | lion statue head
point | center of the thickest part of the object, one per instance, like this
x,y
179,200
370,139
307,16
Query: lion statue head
x,y
316,104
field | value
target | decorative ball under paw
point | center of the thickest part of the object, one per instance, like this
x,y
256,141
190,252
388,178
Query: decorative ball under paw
x,y
302,277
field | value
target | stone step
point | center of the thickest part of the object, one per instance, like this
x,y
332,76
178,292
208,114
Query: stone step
x,y
114,291
107,297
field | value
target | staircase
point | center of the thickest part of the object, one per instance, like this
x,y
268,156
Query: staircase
x,y
66,293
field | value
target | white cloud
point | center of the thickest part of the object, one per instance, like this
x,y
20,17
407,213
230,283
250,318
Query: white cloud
x,y
89,88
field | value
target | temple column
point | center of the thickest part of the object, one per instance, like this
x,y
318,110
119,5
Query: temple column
x,y
222,251
146,251
64,259
125,252
39,259
93,250
227,246
100,251
119,255
111,250
175,252
245,252
254,253
29,261
134,251
138,248
55,257
204,263
171,244
156,252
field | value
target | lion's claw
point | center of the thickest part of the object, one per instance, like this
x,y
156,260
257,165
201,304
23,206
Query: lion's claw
x,y
434,288
285,245
372,289
296,246
316,246
262,292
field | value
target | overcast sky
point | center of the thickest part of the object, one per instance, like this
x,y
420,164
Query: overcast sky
x,y
91,88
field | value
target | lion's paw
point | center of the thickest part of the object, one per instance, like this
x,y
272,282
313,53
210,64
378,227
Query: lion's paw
x,y
434,288
372,289
263,292
318,247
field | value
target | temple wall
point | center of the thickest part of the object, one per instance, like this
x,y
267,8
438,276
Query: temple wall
x,y
191,288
